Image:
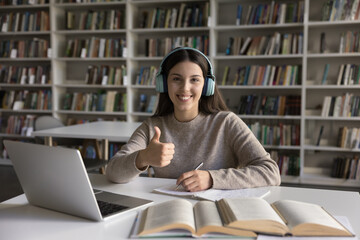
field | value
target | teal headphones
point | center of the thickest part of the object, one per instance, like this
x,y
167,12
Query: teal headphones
x,y
209,85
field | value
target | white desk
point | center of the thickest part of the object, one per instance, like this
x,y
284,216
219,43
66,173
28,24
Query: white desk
x,y
103,130
19,220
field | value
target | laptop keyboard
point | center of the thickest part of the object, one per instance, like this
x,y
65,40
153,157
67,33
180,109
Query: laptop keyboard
x,y
107,208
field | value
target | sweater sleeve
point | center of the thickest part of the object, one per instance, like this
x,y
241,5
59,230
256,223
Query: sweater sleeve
x,y
255,168
121,167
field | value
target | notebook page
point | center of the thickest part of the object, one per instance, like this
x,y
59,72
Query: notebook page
x,y
214,194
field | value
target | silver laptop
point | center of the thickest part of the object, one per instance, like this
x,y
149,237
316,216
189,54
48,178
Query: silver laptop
x,y
55,178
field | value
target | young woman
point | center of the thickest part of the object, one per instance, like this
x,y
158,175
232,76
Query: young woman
x,y
192,125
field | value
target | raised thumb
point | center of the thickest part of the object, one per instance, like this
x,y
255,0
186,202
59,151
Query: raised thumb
x,y
157,134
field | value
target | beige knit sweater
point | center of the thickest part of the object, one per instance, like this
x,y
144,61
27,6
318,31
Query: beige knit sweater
x,y
222,141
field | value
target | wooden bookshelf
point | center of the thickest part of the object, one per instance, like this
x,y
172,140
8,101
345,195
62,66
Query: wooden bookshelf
x,y
313,42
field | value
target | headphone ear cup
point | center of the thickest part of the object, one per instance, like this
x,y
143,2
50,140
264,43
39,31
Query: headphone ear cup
x,y
159,83
210,87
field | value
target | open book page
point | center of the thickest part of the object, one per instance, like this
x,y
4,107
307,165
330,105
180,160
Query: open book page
x,y
172,214
208,222
252,214
342,219
214,194
304,218
135,231
206,213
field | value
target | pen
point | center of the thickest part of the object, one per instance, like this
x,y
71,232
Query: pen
x,y
197,168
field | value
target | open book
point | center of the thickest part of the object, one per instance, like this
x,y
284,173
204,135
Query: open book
x,y
179,218
283,217
244,217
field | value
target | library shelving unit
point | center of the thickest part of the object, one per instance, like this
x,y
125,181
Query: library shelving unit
x,y
24,98
143,33
325,46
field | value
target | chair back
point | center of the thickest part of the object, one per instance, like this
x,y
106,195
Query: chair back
x,y
47,122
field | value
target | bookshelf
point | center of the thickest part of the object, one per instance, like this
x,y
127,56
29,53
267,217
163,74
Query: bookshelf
x,y
25,82
142,39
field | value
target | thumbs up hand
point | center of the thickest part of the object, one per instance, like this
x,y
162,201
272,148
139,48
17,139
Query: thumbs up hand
x,y
156,154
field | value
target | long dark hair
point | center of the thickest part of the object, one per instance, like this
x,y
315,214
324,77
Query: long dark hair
x,y
207,104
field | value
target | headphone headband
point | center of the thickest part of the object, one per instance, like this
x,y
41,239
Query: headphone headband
x,y
209,85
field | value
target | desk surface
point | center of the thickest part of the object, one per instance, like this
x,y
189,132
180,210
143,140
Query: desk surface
x,y
19,220
113,131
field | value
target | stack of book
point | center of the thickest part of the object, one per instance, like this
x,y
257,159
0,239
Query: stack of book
x,y
346,167
277,135
270,105
106,75
35,48
271,13
346,105
96,47
160,47
349,137
349,42
146,76
286,43
25,75
187,15
111,101
96,20
19,124
289,165
35,100
25,21
22,2
349,74
261,75
339,10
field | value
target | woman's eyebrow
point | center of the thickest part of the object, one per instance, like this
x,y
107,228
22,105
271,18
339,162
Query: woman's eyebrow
x,y
178,74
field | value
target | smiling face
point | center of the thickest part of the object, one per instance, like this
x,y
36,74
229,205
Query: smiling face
x,y
185,83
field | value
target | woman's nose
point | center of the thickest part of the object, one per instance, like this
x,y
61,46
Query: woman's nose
x,y
185,85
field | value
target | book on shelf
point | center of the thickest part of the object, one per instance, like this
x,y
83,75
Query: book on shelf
x,y
32,48
110,101
349,74
274,13
142,103
325,74
146,76
225,75
319,136
25,75
105,75
270,105
289,165
346,105
346,167
348,137
229,49
186,15
95,47
21,2
20,124
160,47
349,42
286,43
25,21
267,75
239,15
276,135
245,217
339,10
151,106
